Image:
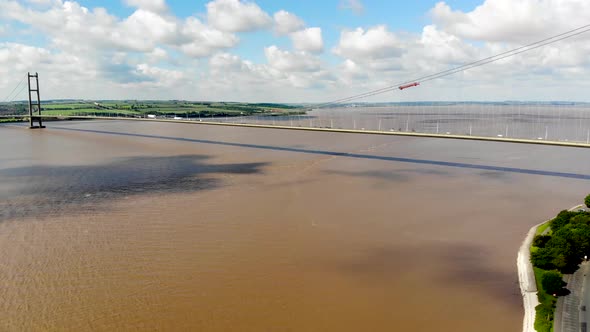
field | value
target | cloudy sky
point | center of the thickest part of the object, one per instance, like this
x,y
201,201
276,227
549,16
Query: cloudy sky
x,y
291,51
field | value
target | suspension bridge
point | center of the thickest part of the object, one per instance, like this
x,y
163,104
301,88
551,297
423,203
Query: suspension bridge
x,y
557,124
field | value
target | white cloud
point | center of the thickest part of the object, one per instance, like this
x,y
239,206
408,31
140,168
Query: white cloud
x,y
157,6
291,61
303,39
444,47
62,74
286,22
74,27
20,58
70,75
226,61
204,40
352,71
42,2
309,40
157,55
375,43
142,55
144,29
356,6
229,71
150,52
513,21
286,74
158,77
236,15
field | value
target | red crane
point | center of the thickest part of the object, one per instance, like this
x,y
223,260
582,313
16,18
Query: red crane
x,y
409,85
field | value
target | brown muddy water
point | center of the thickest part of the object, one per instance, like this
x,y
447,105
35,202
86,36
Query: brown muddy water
x,y
150,226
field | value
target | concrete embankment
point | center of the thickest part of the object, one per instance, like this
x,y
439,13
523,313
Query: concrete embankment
x,y
526,280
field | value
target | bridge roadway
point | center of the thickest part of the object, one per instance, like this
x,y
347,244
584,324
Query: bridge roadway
x,y
331,130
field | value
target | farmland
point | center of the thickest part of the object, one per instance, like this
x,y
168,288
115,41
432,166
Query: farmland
x,y
159,108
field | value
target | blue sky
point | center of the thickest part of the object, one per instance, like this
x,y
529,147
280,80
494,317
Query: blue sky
x,y
264,50
410,15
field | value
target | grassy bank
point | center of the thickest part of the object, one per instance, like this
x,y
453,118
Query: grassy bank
x,y
545,311
541,229
10,120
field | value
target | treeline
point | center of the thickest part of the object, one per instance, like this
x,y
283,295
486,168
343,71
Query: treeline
x,y
194,114
14,109
567,245
246,109
274,105
99,112
169,108
65,108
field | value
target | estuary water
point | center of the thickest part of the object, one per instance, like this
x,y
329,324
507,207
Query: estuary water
x,y
561,122
119,225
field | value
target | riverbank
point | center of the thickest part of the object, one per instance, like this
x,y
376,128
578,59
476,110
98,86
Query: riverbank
x,y
10,120
526,280
526,276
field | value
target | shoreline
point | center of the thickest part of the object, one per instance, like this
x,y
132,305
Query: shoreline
x,y
526,278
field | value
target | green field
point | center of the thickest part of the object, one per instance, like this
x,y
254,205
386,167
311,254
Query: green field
x,y
86,111
160,108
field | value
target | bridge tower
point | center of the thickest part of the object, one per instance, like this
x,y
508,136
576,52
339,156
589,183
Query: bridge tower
x,y
34,105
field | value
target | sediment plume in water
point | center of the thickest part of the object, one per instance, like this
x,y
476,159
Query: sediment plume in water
x,y
121,226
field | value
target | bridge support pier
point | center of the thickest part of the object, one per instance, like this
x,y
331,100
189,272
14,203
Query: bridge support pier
x,y
33,104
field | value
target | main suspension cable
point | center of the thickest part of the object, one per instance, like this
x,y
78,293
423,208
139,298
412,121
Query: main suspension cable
x,y
471,65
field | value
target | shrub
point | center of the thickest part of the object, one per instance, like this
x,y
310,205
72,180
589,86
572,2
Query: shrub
x,y
580,220
562,219
544,317
542,258
552,282
541,240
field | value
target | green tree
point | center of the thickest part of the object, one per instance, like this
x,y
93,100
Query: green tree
x,y
565,255
552,282
541,240
580,219
562,219
587,201
560,262
543,258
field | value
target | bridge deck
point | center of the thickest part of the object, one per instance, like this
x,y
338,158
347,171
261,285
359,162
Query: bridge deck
x,y
330,130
